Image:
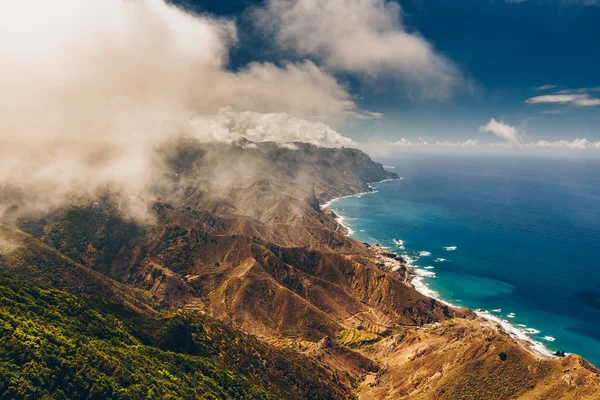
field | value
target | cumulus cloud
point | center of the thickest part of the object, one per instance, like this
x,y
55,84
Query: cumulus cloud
x,y
508,133
91,88
365,37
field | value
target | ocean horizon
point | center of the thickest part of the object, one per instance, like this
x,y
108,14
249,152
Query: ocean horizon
x,y
514,238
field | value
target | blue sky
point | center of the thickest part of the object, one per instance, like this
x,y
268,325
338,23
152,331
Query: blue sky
x,y
503,51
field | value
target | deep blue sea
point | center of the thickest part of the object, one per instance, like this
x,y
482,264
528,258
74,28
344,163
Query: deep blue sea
x,y
526,232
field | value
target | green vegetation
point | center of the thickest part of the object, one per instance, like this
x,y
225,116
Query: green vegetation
x,y
92,235
356,337
54,345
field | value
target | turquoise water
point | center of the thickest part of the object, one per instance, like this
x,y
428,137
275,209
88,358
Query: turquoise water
x,y
526,232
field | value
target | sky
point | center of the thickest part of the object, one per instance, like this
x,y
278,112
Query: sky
x,y
528,64
94,92
381,75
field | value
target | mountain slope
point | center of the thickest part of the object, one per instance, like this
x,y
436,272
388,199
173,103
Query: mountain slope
x,y
238,234
466,359
25,257
55,345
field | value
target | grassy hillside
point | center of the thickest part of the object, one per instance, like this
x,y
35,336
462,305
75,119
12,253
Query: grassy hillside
x,y
56,345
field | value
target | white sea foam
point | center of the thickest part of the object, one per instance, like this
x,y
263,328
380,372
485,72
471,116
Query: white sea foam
x,y
386,180
424,253
440,259
424,273
340,220
531,331
330,202
399,243
359,195
549,338
511,315
419,283
407,260
516,333
450,248
497,310
429,267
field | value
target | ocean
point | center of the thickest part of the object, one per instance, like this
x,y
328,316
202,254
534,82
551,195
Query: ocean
x,y
516,236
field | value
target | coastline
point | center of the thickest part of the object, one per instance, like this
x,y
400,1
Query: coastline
x,y
519,335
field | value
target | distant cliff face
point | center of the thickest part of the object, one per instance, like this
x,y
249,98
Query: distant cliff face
x,y
256,170
238,233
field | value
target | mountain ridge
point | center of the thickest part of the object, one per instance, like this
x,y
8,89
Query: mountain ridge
x,y
237,234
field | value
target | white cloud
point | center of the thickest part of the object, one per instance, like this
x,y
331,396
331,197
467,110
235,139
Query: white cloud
x,y
229,126
509,133
557,111
359,36
122,68
466,143
95,86
289,146
511,139
580,90
580,100
420,142
403,142
575,144
545,87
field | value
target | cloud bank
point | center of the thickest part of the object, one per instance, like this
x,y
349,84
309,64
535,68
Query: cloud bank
x,y
230,126
512,139
83,67
575,144
92,88
364,37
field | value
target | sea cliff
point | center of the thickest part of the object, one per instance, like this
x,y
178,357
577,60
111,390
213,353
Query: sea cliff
x,y
236,245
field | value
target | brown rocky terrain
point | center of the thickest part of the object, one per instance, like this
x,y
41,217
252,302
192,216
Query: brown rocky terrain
x,y
238,234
